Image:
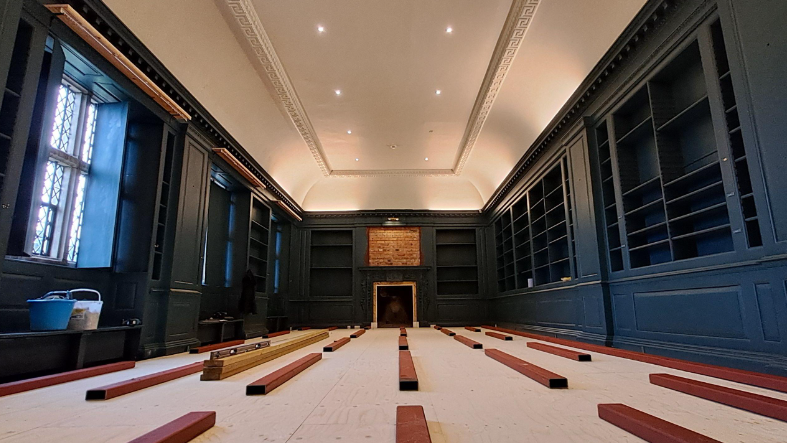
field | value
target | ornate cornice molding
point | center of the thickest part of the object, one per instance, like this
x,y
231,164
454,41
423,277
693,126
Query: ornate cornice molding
x,y
518,21
353,173
247,24
383,213
649,19
250,27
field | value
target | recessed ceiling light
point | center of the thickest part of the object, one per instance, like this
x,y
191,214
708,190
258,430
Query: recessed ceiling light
x,y
427,159
449,29
356,159
320,29
438,92
349,132
338,92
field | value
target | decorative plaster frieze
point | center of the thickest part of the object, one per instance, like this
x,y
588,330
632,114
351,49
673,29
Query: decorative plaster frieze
x,y
518,21
248,23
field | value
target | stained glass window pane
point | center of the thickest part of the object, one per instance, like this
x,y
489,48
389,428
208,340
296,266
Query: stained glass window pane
x,y
90,133
50,199
76,220
64,115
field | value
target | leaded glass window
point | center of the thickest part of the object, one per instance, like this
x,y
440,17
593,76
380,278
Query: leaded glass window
x,y
58,221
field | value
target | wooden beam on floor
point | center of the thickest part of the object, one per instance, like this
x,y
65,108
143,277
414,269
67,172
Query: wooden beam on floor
x,y
767,381
219,369
180,430
411,426
278,377
467,342
758,404
402,332
63,377
499,336
472,329
448,332
275,334
208,348
304,328
437,327
403,345
408,379
139,383
358,334
333,328
541,375
648,427
567,353
336,344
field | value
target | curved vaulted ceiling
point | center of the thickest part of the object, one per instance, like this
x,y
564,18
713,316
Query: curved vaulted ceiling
x,y
269,76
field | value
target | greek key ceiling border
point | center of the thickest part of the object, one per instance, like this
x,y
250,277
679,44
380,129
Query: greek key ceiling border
x,y
246,22
518,21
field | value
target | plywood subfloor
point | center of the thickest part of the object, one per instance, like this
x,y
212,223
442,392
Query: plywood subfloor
x,y
351,396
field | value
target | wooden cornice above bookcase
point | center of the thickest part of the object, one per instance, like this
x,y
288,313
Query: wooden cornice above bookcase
x,y
93,37
240,167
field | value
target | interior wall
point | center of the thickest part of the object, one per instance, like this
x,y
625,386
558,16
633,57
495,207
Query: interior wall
x,y
723,308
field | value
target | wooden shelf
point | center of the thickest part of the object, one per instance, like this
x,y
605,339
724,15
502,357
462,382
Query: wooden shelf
x,y
650,245
697,173
645,207
638,131
692,112
642,186
702,232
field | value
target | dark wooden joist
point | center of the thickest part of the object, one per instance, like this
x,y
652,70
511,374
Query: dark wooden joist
x,y
275,334
358,334
139,383
499,336
408,379
63,377
648,427
180,430
411,426
758,404
541,375
336,344
403,345
767,381
473,329
208,348
468,342
448,332
567,353
278,377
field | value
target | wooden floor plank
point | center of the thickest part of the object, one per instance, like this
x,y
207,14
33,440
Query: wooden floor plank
x,y
408,379
447,332
758,404
208,348
648,427
278,377
403,345
358,333
541,375
403,332
411,425
472,328
180,430
567,353
767,381
139,383
275,334
468,342
336,344
499,336
63,377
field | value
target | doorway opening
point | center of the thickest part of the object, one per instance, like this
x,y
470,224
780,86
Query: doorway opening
x,y
394,305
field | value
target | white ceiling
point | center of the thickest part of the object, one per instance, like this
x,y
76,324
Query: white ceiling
x,y
388,58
